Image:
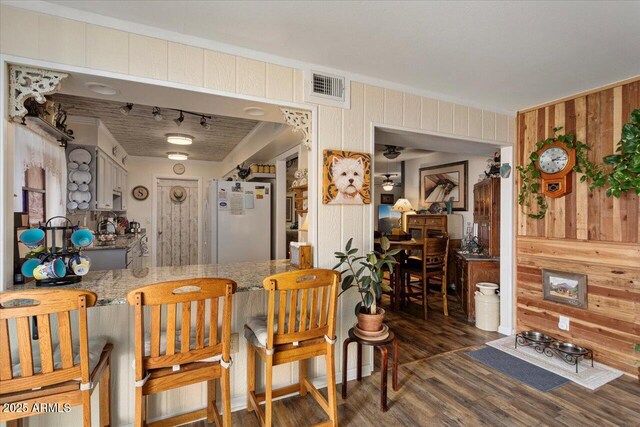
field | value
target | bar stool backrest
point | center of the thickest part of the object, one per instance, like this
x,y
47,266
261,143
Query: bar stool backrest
x,y
47,306
435,252
181,295
304,302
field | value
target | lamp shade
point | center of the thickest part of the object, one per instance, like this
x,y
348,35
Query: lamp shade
x,y
402,205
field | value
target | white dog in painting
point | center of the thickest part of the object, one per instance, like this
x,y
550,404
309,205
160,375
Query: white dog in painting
x,y
348,177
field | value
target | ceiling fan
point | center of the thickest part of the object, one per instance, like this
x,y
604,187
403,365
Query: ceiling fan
x,y
391,151
387,183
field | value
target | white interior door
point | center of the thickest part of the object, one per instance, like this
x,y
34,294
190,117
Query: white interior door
x,y
177,224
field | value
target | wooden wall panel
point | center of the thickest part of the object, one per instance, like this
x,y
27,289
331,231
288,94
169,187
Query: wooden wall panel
x,y
584,231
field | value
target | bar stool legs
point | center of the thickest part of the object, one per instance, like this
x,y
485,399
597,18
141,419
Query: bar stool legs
x,y
105,396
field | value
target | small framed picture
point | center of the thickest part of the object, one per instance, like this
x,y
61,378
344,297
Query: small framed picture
x,y
289,209
387,199
565,288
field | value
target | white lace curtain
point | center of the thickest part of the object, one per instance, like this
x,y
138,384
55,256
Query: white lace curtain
x,y
40,150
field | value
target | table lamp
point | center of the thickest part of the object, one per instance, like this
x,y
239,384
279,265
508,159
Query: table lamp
x,y
402,206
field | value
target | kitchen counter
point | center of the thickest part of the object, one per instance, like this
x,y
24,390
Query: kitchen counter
x,y
478,257
112,286
122,242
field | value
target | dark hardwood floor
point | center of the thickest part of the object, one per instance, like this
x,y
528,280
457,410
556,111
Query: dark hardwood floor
x,y
441,386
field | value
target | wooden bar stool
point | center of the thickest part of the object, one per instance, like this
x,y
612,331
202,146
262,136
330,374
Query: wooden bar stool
x,y
430,271
63,370
176,357
305,305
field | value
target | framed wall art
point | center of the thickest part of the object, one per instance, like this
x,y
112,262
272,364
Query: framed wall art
x,y
565,288
387,199
289,209
346,178
442,182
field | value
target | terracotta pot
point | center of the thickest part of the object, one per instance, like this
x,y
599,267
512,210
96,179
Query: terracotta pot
x,y
371,322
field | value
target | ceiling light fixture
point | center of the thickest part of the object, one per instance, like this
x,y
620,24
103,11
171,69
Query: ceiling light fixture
x,y
179,139
204,124
157,114
255,111
177,156
126,109
387,184
101,88
180,119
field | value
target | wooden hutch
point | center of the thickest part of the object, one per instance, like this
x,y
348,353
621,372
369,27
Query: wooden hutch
x,y
471,269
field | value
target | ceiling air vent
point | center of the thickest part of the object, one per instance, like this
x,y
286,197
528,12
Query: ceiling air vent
x,y
327,89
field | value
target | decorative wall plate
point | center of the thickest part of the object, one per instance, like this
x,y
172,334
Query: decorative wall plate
x,y
178,168
140,192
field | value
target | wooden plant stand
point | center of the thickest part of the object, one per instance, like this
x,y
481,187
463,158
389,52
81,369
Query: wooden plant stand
x,y
380,345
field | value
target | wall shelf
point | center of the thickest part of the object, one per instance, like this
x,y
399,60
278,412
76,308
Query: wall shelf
x,y
300,198
41,124
255,176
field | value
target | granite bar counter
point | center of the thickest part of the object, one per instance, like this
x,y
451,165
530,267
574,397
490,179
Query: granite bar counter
x,y
125,241
112,286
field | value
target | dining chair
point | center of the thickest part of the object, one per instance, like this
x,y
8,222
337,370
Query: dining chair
x,y
430,272
181,355
300,324
64,369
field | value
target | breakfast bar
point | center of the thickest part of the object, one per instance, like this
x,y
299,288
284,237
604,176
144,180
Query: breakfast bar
x,y
113,318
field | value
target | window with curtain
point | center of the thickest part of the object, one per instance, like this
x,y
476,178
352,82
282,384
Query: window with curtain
x,y
34,195
40,174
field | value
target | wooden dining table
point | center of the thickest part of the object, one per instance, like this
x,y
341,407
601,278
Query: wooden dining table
x,y
398,276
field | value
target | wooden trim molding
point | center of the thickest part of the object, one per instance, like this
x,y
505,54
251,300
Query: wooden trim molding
x,y
581,94
28,82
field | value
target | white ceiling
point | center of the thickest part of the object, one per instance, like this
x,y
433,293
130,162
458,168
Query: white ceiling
x,y
504,55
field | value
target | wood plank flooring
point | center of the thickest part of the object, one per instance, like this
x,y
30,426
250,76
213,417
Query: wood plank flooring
x,y
441,386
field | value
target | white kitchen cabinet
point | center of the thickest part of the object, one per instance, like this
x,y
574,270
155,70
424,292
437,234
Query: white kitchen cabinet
x,y
110,179
125,189
104,181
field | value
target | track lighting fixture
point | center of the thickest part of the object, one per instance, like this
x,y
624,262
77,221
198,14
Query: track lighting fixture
x,y
204,124
180,119
126,109
156,114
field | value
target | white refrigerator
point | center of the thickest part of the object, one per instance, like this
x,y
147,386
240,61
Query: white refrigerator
x,y
238,222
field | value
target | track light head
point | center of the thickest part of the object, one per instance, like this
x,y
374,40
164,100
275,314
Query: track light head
x,y
126,109
156,114
204,124
180,119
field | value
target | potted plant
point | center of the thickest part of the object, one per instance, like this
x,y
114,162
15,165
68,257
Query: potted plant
x,y
365,273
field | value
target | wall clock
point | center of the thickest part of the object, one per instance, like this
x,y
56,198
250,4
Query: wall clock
x,y
555,163
178,168
140,192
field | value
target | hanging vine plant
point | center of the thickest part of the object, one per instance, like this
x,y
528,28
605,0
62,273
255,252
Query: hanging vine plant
x,y
624,173
530,175
625,163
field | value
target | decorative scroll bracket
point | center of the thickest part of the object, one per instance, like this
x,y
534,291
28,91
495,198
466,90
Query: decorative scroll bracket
x,y
28,82
300,121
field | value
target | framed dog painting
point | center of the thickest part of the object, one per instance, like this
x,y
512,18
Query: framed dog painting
x,y
346,178
443,182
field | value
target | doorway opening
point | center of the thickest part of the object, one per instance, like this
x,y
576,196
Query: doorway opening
x,y
415,173
178,213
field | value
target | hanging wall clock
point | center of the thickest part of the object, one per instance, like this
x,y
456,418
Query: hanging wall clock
x,y
555,163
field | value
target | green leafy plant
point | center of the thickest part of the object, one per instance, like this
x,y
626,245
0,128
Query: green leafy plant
x,y
530,175
625,163
365,273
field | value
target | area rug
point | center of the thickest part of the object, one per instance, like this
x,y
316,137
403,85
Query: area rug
x,y
587,376
518,369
